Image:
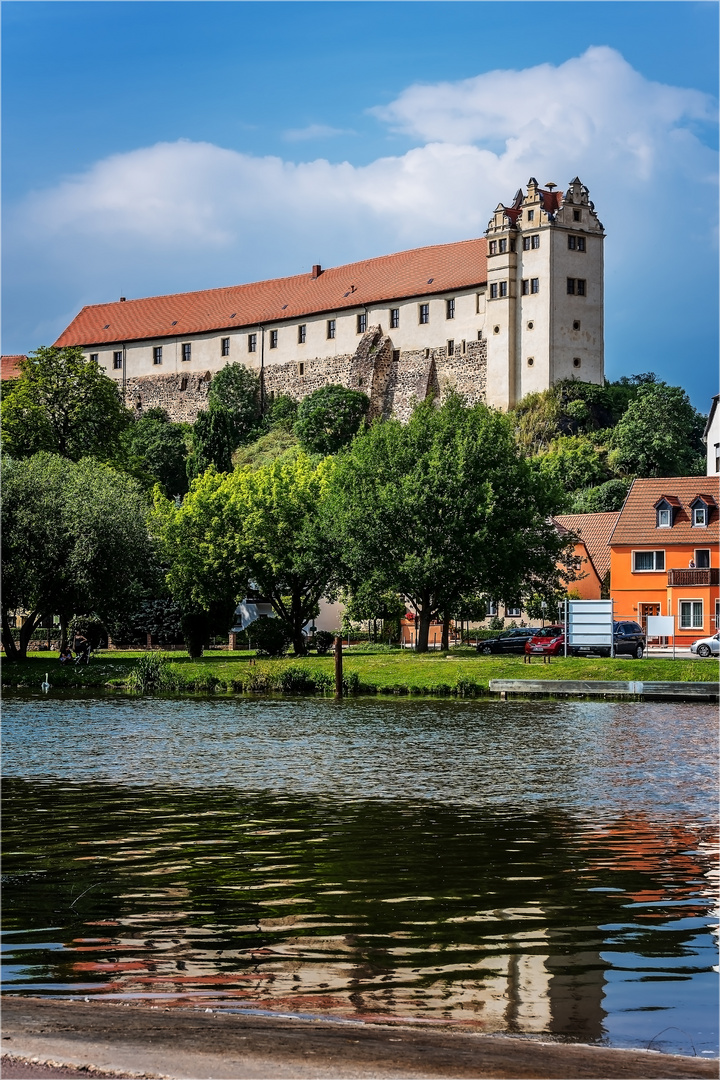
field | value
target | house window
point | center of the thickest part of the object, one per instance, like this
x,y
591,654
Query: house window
x,y
157,354
525,286
513,611
502,247
699,515
717,457
117,360
225,346
691,614
362,323
664,517
252,342
451,348
273,339
424,313
535,285
491,607
702,558
394,318
531,215
493,291
94,357
644,561
302,333
449,309
331,326
186,350
535,241
493,247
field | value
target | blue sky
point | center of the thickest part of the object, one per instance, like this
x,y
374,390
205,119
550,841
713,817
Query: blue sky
x,y
157,147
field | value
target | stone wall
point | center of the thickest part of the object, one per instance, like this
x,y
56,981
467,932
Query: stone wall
x,y
393,380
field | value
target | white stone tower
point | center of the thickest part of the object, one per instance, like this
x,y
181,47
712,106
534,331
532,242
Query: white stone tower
x,y
544,314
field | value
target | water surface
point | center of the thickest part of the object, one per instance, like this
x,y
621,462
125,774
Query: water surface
x,y
540,869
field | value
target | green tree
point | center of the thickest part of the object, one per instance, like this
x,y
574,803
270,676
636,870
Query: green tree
x,y
62,403
370,602
270,446
264,527
237,389
608,496
282,412
155,451
442,507
660,434
329,418
213,441
75,542
573,462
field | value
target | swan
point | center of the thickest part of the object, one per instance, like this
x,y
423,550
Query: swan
x,y
46,685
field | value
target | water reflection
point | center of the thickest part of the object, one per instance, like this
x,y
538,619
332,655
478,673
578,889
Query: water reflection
x,y
536,916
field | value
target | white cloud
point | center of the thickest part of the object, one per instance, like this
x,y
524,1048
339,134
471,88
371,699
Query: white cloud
x,y
315,131
186,215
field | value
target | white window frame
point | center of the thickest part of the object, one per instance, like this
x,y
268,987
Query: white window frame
x,y
513,611
693,624
700,510
664,524
654,569
491,608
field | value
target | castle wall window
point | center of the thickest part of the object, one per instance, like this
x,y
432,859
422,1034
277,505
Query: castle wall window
x,y
581,283
449,309
644,561
525,286
394,318
526,243
225,346
424,313
503,288
186,350
691,614
493,247
117,360
502,247
480,337
301,369
535,285
252,342
157,354
576,243
302,333
273,339
94,357
535,241
493,291
362,323
451,348
576,286
331,325
531,215
577,215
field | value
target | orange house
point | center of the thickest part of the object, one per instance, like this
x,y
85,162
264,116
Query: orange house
x,y
664,554
591,532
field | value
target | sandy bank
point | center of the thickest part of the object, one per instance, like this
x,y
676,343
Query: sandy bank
x,y
188,1045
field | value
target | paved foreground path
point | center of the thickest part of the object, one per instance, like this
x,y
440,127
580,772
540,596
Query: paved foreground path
x,y
187,1045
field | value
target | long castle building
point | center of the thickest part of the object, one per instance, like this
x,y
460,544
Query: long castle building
x,y
495,318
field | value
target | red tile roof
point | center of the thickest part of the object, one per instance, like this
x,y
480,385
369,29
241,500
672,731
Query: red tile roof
x,y
420,272
10,369
637,522
594,530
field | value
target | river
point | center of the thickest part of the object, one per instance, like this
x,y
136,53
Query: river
x,y
541,869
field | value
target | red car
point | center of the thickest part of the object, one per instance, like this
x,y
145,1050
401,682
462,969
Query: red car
x,y
550,641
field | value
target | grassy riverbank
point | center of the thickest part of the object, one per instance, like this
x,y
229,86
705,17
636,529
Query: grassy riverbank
x,y
461,672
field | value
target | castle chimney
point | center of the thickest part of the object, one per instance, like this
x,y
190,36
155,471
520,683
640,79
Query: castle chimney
x,y
122,299
316,270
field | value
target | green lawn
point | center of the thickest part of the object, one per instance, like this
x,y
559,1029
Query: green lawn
x,y
461,671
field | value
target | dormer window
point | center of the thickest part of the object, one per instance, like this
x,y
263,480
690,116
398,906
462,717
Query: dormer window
x,y
700,511
699,515
664,512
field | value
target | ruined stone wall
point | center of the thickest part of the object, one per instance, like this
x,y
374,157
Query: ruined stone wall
x,y
393,380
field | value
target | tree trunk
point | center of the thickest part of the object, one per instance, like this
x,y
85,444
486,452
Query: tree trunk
x,y
445,644
298,621
8,641
423,627
26,632
63,631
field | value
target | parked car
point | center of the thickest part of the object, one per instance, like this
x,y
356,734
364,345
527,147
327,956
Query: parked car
x,y
511,641
707,646
550,641
628,638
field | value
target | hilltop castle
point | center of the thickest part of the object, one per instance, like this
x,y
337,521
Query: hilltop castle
x,y
496,318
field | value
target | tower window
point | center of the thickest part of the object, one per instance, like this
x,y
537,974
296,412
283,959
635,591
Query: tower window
x,y
577,215
502,246
225,346
525,286
526,243
449,309
493,291
530,325
493,247
531,215
576,243
534,285
576,361
503,288
531,361
576,324
424,313
535,241
273,339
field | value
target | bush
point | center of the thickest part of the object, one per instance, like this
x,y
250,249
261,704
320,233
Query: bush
x,y
324,641
269,637
295,680
465,687
151,674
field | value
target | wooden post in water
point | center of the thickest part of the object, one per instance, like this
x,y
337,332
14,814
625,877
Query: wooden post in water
x,y
338,668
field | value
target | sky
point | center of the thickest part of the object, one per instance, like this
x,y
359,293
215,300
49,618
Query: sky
x,y
159,147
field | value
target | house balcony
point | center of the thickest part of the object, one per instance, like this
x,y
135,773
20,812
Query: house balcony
x,y
689,578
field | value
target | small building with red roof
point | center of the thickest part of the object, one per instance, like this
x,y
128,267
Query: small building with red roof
x,y
591,533
11,366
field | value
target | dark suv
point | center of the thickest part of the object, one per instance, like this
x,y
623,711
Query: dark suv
x,y
512,641
628,638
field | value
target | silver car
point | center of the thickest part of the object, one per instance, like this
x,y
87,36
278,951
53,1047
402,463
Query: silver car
x,y
707,646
